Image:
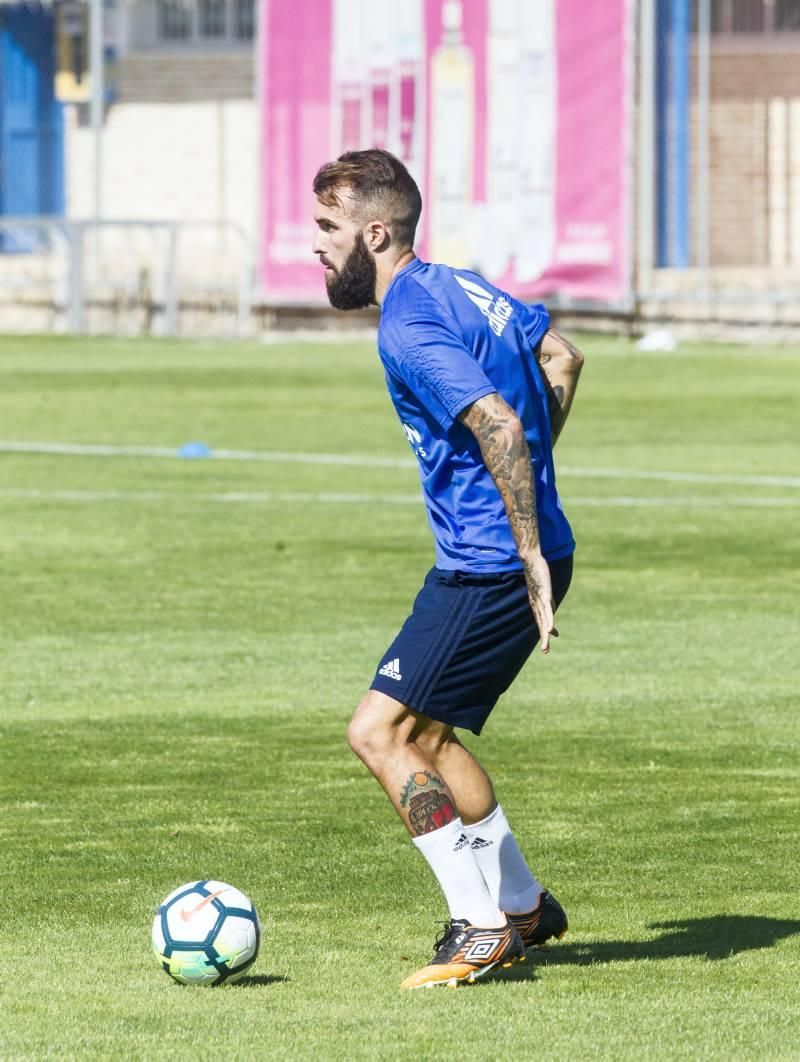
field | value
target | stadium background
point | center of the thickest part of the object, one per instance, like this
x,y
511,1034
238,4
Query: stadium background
x,y
184,170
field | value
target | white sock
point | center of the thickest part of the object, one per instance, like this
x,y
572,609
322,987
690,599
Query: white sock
x,y
512,886
450,857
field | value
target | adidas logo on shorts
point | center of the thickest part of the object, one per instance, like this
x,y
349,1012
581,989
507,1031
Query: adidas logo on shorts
x,y
391,669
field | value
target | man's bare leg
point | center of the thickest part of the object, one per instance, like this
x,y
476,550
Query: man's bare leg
x,y
396,743
384,734
508,877
469,783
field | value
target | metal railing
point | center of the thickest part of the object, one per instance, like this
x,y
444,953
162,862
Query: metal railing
x,y
142,273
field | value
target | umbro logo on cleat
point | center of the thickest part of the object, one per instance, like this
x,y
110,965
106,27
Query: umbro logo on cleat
x,y
391,669
479,842
482,948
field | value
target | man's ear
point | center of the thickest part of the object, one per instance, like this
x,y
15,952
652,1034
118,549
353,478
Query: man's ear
x,y
377,236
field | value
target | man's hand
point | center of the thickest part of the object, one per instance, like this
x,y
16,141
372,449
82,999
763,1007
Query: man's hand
x,y
505,452
540,595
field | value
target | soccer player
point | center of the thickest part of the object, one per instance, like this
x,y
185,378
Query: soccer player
x,y
482,387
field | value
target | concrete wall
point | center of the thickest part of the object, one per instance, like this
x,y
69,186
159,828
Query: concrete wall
x,y
180,144
178,161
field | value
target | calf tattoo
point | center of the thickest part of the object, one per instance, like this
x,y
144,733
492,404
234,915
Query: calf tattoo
x,y
429,804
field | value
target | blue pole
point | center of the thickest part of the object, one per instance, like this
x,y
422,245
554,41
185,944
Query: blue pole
x,y
673,101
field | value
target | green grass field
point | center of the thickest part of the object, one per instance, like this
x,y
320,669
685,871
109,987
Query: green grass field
x,y
183,643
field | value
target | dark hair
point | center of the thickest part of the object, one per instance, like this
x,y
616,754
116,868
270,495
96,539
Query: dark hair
x,y
379,183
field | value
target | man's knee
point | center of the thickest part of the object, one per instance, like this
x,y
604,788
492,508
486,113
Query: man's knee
x,y
378,725
358,733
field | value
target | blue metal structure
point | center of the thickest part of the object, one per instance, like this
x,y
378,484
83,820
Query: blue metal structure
x,y
673,39
31,119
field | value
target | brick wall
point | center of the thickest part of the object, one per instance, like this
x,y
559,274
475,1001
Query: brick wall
x,y
755,158
174,77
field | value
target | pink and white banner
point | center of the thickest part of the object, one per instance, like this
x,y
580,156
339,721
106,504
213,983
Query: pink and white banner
x,y
512,115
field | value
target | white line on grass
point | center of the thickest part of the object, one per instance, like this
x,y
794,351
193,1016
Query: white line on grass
x,y
275,457
333,498
680,477
372,461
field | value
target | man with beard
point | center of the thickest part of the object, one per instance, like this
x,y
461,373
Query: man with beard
x,y
482,387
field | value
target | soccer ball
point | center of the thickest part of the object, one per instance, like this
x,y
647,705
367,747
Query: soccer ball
x,y
205,933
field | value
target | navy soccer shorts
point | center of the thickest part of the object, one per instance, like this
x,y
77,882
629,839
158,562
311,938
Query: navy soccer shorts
x,y
464,643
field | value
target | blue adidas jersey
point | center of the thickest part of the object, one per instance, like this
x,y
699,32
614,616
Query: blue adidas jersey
x,y
447,337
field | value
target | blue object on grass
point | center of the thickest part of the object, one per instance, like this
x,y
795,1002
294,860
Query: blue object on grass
x,y
194,450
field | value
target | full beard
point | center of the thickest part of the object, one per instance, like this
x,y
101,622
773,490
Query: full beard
x,y
353,287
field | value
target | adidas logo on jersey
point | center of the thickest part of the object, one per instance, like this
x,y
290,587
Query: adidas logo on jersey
x,y
391,669
496,310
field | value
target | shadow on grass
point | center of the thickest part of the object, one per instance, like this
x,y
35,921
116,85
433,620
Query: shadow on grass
x,y
714,938
260,979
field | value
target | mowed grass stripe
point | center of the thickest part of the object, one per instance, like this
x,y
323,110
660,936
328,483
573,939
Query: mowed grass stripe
x,y
333,498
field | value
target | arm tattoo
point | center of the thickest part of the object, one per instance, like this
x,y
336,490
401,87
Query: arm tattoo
x,y
555,404
430,805
505,452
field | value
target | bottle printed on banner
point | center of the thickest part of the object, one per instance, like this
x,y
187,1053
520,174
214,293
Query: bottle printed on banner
x,y
348,76
408,94
452,139
380,37
378,78
534,248
499,216
517,224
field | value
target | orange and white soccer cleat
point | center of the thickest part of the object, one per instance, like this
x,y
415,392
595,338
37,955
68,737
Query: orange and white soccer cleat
x,y
465,952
